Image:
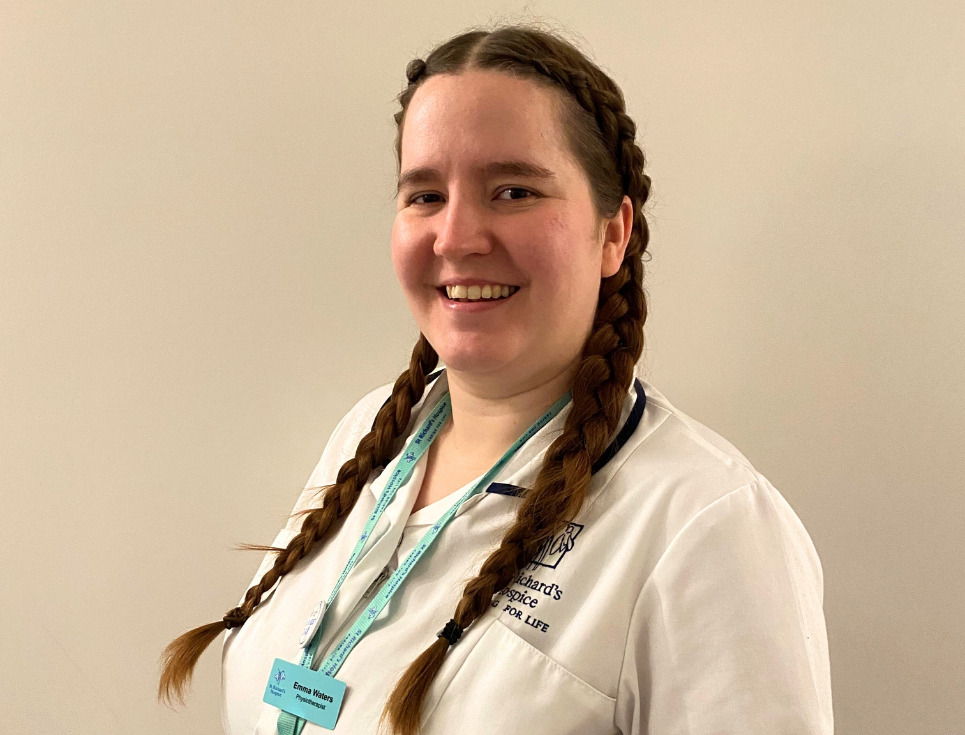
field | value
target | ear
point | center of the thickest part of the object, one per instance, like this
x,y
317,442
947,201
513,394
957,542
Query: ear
x,y
616,235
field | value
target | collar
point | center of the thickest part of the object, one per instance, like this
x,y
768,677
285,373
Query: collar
x,y
521,471
629,422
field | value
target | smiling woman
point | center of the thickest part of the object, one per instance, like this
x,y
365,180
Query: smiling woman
x,y
469,141
605,563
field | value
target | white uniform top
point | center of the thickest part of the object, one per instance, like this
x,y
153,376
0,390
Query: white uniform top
x,y
685,598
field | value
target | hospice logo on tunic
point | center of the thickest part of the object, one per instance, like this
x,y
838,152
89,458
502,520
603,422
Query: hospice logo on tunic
x,y
552,552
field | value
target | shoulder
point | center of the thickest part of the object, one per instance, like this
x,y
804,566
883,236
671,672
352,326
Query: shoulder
x,y
677,477
727,583
342,444
674,455
349,431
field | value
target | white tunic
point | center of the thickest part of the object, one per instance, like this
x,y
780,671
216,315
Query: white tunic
x,y
686,598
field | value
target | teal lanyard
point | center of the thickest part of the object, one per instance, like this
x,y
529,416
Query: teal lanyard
x,y
289,724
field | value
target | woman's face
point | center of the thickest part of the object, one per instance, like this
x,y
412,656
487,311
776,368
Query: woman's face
x,y
490,196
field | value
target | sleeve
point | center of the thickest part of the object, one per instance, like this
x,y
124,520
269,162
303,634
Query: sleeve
x,y
728,633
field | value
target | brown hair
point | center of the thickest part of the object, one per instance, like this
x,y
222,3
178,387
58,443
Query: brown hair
x,y
601,136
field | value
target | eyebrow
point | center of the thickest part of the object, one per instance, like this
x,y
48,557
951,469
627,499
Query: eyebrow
x,y
522,169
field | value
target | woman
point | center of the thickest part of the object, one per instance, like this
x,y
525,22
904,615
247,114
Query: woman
x,y
605,564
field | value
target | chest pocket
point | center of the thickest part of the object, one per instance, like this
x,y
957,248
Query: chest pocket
x,y
506,685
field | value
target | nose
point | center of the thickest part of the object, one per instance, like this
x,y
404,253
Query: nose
x,y
463,229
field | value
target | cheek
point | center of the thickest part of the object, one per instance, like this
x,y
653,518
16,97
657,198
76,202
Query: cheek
x,y
572,261
540,247
404,253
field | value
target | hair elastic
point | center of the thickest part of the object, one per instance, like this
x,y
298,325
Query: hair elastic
x,y
415,69
234,618
452,632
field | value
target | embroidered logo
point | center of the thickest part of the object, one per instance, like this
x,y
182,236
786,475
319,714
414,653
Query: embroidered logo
x,y
552,552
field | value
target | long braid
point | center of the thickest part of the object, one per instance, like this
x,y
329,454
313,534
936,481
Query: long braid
x,y
374,451
606,368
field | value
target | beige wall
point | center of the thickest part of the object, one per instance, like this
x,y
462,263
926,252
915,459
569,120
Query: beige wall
x,y
196,201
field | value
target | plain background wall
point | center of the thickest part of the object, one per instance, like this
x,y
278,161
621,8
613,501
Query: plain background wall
x,y
196,205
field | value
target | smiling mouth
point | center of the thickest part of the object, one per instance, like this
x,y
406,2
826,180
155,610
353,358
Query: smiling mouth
x,y
487,292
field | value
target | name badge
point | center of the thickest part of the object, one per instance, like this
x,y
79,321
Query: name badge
x,y
305,693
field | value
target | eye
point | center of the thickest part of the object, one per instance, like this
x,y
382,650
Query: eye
x,y
426,198
516,193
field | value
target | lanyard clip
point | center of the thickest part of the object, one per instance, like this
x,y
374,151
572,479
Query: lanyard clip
x,y
312,624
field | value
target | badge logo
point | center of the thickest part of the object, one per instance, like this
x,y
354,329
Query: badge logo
x,y
552,552
279,676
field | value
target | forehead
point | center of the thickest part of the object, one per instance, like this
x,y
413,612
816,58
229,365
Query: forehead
x,y
482,115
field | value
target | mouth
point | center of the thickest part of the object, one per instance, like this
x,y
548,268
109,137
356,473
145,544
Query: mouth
x,y
478,292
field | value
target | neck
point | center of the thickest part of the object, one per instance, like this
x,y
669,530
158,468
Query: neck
x,y
488,415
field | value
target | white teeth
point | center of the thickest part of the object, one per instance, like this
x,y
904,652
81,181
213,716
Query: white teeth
x,y
477,292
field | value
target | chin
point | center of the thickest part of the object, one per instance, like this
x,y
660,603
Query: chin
x,y
482,358
471,364
470,352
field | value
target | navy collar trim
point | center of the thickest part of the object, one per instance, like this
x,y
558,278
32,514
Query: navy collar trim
x,y
632,422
